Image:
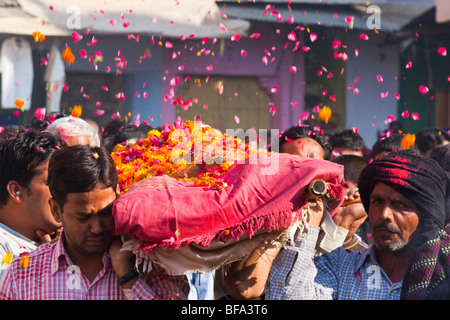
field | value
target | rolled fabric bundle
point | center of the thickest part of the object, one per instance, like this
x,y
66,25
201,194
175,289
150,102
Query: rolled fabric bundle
x,y
187,228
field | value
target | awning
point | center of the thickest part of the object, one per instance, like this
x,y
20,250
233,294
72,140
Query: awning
x,y
195,18
329,13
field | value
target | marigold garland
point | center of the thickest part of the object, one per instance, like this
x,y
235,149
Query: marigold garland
x,y
189,151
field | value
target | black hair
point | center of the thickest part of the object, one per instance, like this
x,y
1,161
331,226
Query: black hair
x,y
20,155
442,156
353,165
80,168
387,144
129,131
348,139
429,138
297,132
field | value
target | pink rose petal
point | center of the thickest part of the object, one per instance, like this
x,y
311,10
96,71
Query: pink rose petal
x,y
236,118
408,65
405,114
423,89
415,116
313,37
293,69
76,37
379,78
40,113
83,54
442,51
364,36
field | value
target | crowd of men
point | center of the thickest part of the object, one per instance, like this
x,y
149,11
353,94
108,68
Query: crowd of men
x,y
388,239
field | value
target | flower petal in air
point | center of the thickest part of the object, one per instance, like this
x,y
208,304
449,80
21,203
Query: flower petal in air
x,y
76,37
40,113
325,114
423,89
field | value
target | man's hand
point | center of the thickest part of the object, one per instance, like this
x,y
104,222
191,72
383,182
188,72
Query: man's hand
x,y
121,260
351,214
45,237
317,208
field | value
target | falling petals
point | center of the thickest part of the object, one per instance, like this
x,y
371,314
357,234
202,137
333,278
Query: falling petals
x,y
364,36
415,116
325,114
76,37
442,51
40,113
408,65
243,53
83,54
68,56
423,89
19,103
313,37
38,36
405,114
293,69
379,78
236,118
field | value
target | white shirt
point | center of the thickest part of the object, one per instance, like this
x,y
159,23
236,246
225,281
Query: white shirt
x,y
14,242
16,66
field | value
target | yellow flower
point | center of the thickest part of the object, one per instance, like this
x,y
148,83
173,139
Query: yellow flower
x,y
325,114
7,259
68,56
408,141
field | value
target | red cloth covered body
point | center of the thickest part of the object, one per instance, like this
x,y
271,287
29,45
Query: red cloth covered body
x,y
267,192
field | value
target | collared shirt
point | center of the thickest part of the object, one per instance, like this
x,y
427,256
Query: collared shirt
x,y
13,242
50,275
340,275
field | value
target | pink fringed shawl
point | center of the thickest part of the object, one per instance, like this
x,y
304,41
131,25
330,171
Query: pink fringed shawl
x,y
265,193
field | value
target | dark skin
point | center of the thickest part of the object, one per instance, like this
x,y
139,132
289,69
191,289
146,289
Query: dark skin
x,y
395,221
87,221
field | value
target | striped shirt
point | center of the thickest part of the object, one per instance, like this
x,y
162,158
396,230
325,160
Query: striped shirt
x,y
50,275
339,275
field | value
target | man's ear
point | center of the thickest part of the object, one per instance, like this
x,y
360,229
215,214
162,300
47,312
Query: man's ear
x,y
15,191
56,209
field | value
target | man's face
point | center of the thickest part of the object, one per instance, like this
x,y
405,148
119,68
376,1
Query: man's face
x,y
87,220
304,147
393,216
36,207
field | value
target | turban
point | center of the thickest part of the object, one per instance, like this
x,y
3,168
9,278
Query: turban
x,y
419,179
424,182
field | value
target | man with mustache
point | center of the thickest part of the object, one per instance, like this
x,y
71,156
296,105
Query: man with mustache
x,y
405,196
86,263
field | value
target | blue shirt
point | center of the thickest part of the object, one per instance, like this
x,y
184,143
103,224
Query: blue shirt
x,y
339,275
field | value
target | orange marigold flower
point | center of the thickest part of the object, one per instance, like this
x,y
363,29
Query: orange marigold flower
x,y
24,260
325,114
68,56
38,36
76,111
19,103
408,141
